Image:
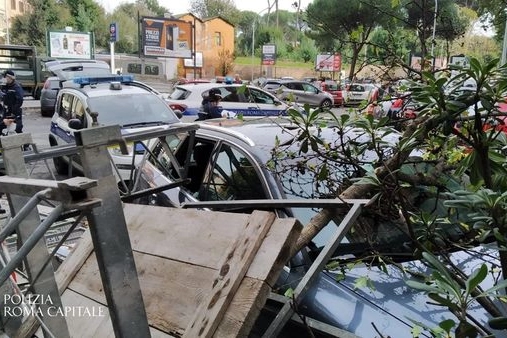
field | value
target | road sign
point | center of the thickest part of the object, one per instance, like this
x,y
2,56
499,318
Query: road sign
x,y
113,32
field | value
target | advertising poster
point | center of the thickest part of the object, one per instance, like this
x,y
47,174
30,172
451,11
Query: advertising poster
x,y
268,55
167,37
70,45
328,62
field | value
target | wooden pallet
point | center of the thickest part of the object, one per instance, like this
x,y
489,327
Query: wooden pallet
x,y
202,273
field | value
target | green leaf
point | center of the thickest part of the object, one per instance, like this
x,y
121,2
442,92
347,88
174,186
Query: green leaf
x,y
289,293
478,275
447,325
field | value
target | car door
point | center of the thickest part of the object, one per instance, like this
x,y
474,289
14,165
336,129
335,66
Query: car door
x,y
60,122
263,103
249,101
160,169
218,171
309,94
232,176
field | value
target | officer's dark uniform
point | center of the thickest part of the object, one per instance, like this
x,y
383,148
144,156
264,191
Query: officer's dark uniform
x,y
12,99
210,110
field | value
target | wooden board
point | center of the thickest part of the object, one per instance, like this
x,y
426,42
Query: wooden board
x,y
178,255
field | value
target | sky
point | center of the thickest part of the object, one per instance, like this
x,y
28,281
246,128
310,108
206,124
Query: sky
x,y
183,6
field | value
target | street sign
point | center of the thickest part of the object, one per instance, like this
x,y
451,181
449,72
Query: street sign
x,y
113,32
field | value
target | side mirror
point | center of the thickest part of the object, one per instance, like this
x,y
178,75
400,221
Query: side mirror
x,y
75,124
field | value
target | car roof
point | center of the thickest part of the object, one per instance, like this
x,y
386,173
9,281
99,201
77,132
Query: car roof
x,y
208,85
104,88
61,64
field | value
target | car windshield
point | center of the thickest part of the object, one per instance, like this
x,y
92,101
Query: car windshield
x,y
179,94
131,109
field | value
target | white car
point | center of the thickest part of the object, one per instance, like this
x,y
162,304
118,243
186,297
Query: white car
x,y
237,98
356,93
117,100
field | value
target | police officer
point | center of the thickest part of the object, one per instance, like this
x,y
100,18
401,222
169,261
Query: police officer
x,y
12,97
211,105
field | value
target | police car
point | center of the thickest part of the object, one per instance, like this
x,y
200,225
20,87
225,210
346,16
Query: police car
x,y
240,99
85,102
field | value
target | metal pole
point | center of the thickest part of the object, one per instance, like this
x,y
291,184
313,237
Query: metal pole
x,y
110,237
253,47
504,48
195,50
433,36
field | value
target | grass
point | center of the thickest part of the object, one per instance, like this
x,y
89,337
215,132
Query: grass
x,y
246,60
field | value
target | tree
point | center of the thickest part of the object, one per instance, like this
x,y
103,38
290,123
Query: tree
x,y
30,28
334,26
463,138
226,9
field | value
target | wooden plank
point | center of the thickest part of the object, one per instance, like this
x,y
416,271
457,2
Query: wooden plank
x,y
183,234
266,267
172,290
275,250
97,325
236,263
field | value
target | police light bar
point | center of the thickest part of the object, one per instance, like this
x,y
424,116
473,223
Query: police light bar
x,y
87,80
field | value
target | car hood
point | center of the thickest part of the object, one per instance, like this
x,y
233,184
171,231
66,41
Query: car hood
x,y
388,306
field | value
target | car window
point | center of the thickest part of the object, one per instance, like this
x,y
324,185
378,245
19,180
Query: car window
x,y
233,177
258,96
233,94
179,94
78,111
66,106
128,109
356,88
308,88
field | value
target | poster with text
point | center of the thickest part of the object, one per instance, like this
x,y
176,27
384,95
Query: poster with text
x,y
70,45
166,37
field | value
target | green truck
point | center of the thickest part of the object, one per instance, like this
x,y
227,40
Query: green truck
x,y
28,67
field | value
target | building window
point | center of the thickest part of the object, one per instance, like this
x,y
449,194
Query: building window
x,y
13,4
218,39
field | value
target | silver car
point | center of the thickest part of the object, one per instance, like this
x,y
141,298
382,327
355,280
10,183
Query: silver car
x,y
300,92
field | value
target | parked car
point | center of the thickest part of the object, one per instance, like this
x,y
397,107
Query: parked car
x,y
300,92
227,162
356,93
62,70
117,102
240,99
335,89
48,95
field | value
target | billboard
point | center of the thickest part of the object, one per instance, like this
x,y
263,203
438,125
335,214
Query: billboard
x,y
163,37
70,45
328,63
268,54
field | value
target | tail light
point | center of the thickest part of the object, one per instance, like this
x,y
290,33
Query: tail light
x,y
178,106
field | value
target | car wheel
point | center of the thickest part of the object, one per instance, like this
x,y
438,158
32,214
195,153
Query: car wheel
x,y
326,104
46,113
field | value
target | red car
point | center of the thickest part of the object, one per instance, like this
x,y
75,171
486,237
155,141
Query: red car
x,y
334,89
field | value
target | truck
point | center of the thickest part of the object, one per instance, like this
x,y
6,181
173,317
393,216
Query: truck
x,y
28,67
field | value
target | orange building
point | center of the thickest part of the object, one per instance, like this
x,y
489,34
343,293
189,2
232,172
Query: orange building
x,y
214,40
